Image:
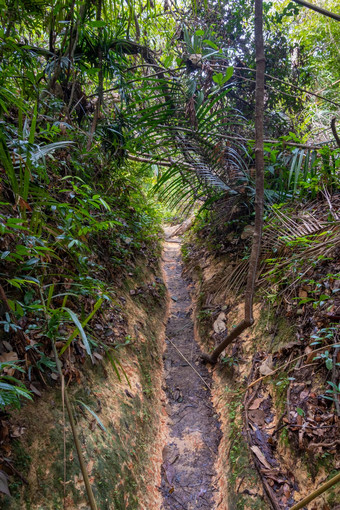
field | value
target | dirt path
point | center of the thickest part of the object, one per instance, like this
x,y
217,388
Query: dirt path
x,y
188,473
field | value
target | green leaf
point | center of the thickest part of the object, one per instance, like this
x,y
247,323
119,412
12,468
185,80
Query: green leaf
x,y
15,283
23,392
33,123
32,262
93,414
88,318
5,386
323,297
81,331
228,74
211,44
114,362
329,363
97,24
218,78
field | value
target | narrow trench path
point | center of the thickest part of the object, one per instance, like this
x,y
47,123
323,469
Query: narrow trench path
x,y
188,473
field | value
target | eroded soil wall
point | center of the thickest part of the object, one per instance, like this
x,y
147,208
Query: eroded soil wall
x,y
123,452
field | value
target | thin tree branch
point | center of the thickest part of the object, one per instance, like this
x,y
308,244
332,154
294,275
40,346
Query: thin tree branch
x,y
269,87
296,87
320,10
242,139
100,83
149,159
284,365
336,136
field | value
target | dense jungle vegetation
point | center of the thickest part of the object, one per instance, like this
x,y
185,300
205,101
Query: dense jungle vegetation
x,y
119,116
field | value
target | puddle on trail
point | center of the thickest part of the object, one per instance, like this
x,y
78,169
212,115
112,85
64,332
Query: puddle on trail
x,y
188,473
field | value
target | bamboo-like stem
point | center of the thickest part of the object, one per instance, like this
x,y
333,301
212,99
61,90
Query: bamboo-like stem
x,y
317,492
80,453
259,190
88,487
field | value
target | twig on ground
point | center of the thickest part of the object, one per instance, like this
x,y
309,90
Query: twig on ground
x,y
186,359
281,367
15,471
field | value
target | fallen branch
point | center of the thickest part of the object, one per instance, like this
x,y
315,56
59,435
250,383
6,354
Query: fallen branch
x,y
15,471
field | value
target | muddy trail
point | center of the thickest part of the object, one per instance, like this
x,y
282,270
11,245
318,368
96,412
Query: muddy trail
x,y
188,473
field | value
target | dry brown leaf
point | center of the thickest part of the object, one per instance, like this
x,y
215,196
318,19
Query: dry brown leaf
x,y
8,357
304,394
260,456
89,466
302,293
4,430
35,390
256,404
266,367
78,482
257,416
7,345
23,204
17,431
219,324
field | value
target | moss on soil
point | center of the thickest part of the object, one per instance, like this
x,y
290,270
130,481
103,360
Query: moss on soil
x,y
119,460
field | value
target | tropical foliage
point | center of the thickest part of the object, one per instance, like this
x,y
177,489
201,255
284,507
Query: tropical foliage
x,y
109,109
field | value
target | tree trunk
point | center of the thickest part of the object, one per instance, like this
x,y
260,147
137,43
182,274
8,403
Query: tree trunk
x,y
259,196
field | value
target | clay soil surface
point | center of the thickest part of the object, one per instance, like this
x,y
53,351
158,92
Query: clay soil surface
x,y
189,456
